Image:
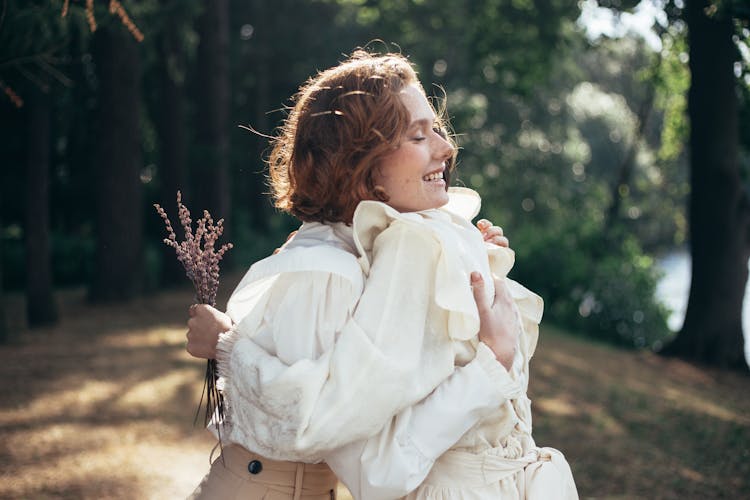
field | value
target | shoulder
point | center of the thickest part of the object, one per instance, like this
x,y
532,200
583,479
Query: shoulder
x,y
316,248
297,268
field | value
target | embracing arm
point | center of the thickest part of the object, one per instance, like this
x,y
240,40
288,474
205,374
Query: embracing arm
x,y
289,404
396,460
347,383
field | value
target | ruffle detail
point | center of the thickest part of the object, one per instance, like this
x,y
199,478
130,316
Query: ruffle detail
x,y
530,307
463,202
460,243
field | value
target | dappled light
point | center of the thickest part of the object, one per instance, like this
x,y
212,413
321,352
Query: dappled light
x,y
557,407
628,420
104,415
612,148
111,415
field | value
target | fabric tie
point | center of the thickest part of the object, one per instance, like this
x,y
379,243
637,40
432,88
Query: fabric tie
x,y
537,473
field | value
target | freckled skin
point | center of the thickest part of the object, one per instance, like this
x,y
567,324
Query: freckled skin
x,y
422,151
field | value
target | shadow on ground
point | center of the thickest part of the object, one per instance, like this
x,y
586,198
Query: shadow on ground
x,y
102,406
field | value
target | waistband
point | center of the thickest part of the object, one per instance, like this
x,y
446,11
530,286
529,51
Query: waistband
x,y
479,469
307,479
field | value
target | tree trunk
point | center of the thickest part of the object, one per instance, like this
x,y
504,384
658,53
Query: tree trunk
x,y
211,166
4,335
119,267
254,178
170,124
40,302
712,332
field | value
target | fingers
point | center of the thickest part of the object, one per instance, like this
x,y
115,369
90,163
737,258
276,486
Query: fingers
x,y
486,226
502,295
196,345
192,346
500,241
477,288
288,238
199,310
492,234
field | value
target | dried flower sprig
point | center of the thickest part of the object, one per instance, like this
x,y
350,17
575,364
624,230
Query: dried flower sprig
x,y
115,8
11,94
90,15
201,263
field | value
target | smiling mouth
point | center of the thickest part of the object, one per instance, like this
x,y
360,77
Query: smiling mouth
x,y
433,177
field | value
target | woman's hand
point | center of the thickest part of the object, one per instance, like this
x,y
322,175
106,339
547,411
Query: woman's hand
x,y
499,322
288,239
204,326
492,234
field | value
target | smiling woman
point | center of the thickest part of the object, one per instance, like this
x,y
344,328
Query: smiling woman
x,y
413,174
344,124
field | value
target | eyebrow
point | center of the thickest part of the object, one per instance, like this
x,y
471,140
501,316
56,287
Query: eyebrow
x,y
422,122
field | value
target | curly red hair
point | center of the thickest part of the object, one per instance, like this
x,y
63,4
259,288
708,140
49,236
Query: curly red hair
x,y
344,121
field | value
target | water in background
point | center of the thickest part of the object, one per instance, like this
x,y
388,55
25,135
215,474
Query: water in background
x,y
674,287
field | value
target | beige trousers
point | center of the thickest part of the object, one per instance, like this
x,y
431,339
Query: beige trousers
x,y
245,475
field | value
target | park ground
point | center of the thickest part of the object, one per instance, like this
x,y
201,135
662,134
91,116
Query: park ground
x,y
102,406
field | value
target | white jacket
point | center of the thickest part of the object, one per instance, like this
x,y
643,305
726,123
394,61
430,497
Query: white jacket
x,y
357,345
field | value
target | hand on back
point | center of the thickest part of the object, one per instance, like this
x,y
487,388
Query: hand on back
x,y
499,321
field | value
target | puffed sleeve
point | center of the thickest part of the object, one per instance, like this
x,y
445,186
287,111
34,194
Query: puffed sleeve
x,y
530,306
396,460
295,399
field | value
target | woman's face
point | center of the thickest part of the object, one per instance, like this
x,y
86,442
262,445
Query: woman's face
x,y
412,175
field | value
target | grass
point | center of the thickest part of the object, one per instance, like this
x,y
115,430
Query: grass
x,y
102,407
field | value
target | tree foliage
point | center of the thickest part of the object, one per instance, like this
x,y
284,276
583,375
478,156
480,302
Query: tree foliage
x,y
555,131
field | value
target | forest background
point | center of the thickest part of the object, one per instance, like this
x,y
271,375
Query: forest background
x,y
595,154
579,146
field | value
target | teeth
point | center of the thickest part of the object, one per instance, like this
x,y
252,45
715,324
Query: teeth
x,y
433,177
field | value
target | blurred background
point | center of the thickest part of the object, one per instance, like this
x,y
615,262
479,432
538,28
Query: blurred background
x,y
609,138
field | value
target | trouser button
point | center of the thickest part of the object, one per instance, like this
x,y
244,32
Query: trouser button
x,y
254,467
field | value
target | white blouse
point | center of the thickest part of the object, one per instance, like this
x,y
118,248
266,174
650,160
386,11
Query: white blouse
x,y
357,345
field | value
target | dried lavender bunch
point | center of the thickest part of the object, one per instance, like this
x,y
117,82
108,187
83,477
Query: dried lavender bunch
x,y
201,265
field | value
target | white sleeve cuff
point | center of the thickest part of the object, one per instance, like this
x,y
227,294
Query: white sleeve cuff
x,y
224,347
500,377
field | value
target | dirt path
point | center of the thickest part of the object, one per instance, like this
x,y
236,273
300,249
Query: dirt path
x,y
102,407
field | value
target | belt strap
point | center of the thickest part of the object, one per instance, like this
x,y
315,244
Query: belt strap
x,y
298,477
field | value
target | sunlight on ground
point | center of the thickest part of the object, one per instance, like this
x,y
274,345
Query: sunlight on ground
x,y
557,406
700,404
79,400
150,393
99,409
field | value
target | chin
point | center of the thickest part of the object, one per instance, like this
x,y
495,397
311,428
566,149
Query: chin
x,y
442,201
433,205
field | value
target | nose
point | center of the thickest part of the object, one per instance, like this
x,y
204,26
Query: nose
x,y
442,147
